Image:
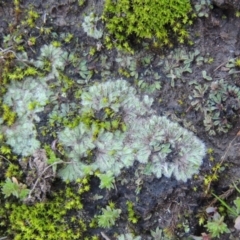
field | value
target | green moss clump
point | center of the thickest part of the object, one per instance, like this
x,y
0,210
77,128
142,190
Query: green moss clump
x,y
153,19
49,220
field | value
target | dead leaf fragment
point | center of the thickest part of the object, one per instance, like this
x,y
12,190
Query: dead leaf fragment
x,y
14,180
237,223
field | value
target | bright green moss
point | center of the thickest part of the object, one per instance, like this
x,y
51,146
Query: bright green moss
x,y
48,220
160,20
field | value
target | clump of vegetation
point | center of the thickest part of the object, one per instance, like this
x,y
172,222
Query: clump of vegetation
x,y
49,220
202,8
106,180
222,107
92,130
13,187
132,217
128,236
237,62
109,137
156,19
178,63
158,234
89,26
219,103
215,225
108,217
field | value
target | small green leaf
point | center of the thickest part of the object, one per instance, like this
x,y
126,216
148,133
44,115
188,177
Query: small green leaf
x,y
106,180
204,74
14,188
108,217
237,204
72,171
10,188
217,227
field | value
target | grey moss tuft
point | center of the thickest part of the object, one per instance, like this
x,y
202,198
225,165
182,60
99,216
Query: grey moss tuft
x,y
22,138
164,147
175,150
90,26
27,97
